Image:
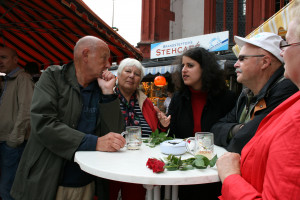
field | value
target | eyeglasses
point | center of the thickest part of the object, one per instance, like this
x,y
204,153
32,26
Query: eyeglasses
x,y
284,44
242,57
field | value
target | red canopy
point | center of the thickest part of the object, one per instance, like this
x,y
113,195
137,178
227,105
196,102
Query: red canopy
x,y
45,31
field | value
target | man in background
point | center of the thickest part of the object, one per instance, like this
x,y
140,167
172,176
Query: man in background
x,y
15,100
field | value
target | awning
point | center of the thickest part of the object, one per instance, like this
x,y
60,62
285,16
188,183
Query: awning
x,y
155,70
45,31
277,24
165,69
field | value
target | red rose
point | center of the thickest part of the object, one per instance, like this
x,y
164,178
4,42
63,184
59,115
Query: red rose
x,y
156,165
150,163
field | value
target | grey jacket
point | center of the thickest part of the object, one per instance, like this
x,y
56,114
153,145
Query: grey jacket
x,y
15,104
55,111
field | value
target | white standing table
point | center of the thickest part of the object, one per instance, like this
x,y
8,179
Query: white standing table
x,y
130,166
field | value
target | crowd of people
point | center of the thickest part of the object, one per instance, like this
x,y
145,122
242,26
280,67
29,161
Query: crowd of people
x,y
81,106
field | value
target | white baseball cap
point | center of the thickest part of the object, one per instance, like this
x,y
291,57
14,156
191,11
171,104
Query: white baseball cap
x,y
265,40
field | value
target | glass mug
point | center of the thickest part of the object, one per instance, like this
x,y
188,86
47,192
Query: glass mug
x,y
203,144
133,136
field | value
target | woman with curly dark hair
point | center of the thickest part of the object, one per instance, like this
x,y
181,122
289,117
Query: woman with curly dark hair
x,y
201,101
203,96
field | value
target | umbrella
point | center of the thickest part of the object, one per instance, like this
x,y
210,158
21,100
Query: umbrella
x,y
45,31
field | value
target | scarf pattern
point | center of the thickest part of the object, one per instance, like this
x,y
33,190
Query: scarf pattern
x,y
127,109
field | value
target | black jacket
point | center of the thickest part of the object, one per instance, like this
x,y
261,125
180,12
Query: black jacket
x,y
276,90
180,109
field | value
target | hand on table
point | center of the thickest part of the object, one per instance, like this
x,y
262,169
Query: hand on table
x,y
163,119
228,164
110,142
107,82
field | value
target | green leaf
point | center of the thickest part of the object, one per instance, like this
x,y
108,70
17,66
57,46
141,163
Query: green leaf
x,y
199,163
186,167
189,161
146,141
169,157
213,161
156,138
171,168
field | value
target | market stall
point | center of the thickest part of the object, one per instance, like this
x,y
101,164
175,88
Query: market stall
x,y
156,94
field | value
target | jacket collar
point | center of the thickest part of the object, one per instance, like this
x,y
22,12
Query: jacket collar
x,y
14,73
141,98
69,73
275,78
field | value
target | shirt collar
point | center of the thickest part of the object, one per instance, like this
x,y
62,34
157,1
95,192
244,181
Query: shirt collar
x,y
10,74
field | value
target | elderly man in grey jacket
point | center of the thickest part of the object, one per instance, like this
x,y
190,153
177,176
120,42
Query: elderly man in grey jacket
x,y
260,69
73,109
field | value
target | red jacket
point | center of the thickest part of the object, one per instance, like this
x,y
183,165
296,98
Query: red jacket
x,y
149,112
270,162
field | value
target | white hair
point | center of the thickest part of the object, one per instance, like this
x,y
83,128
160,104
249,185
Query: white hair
x,y
130,62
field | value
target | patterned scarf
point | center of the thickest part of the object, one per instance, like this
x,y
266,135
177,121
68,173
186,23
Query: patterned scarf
x,y
127,108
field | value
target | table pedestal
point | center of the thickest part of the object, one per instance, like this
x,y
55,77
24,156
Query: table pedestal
x,y
153,192
174,192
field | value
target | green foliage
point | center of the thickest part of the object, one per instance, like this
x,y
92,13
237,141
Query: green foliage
x,y
199,162
157,137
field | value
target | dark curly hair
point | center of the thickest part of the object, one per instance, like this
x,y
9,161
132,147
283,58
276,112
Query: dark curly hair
x,y
213,79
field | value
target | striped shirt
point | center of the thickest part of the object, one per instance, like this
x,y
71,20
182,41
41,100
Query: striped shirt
x,y
146,130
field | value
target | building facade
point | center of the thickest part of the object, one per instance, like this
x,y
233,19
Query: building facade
x,y
175,19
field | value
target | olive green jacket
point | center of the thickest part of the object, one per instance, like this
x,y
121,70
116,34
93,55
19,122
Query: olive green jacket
x,y
55,111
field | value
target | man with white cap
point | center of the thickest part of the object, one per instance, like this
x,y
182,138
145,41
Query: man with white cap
x,y
260,69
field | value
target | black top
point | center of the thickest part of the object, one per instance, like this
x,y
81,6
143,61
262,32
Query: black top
x,y
180,109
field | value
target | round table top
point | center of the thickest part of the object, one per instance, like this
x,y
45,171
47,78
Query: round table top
x,y
130,166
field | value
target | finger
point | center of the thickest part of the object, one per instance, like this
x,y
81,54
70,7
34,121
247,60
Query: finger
x,y
117,145
157,109
110,76
119,139
103,75
107,75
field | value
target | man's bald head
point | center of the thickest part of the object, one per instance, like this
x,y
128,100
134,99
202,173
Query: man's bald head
x,y
88,42
91,58
8,59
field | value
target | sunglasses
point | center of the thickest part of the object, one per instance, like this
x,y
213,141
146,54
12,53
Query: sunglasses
x,y
242,57
284,44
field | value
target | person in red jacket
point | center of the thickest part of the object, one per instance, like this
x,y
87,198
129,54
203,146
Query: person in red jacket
x,y
137,110
269,166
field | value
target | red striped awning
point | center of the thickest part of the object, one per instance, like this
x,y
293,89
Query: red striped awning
x,y
45,31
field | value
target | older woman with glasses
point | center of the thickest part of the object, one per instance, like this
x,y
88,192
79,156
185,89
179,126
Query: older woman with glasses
x,y
137,110
269,166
